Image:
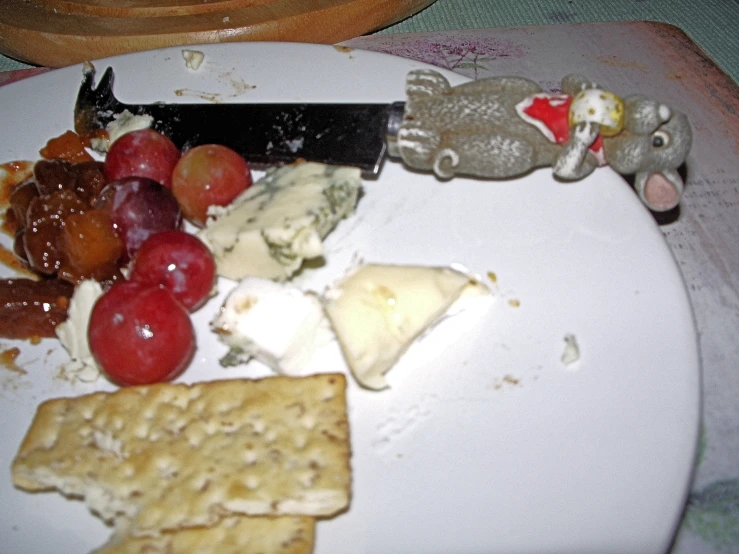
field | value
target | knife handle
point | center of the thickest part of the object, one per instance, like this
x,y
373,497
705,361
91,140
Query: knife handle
x,y
470,129
505,127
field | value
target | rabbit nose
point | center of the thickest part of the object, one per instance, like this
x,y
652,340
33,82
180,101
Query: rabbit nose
x,y
664,113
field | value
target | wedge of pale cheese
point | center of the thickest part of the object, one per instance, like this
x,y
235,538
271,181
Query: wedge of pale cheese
x,y
281,220
377,311
72,333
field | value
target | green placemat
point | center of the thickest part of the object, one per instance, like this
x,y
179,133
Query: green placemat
x,y
712,24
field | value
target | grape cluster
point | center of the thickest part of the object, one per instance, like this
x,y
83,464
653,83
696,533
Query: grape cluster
x,y
140,331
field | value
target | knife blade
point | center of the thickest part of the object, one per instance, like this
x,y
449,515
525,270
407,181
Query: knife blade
x,y
265,134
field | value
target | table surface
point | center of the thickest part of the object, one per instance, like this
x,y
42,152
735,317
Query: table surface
x,y
694,66
711,24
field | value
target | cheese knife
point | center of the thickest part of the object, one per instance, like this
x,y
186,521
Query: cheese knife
x,y
265,134
495,128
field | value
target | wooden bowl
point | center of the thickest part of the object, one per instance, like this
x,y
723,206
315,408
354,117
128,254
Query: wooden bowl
x,y
57,33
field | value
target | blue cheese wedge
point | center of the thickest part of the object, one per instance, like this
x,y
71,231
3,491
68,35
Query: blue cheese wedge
x,y
281,220
276,324
377,311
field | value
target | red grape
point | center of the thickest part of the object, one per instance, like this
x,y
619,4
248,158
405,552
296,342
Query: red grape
x,y
140,334
179,262
139,208
208,175
142,153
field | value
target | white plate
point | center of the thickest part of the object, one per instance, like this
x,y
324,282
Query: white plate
x,y
484,443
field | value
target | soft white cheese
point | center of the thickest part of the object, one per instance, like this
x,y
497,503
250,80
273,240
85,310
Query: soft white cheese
x,y
122,123
125,122
279,325
280,220
72,333
377,311
193,59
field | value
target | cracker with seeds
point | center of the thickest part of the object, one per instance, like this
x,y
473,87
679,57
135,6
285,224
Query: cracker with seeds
x,y
232,535
173,456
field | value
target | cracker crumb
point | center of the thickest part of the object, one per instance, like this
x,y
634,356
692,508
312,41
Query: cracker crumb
x,y
511,380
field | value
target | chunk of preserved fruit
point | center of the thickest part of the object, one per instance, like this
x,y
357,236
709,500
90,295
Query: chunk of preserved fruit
x,y
20,199
31,309
68,146
90,247
52,176
44,223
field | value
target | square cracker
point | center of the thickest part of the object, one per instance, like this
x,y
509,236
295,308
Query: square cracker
x,y
172,456
232,535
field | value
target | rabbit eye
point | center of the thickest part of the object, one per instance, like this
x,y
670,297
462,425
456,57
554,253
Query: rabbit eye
x,y
660,139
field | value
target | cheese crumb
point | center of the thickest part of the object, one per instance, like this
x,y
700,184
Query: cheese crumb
x,y
122,123
72,333
193,59
571,352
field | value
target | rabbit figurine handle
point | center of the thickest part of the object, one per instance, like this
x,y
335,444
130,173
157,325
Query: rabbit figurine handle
x,y
504,127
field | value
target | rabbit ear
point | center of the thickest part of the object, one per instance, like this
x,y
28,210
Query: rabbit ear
x,y
660,191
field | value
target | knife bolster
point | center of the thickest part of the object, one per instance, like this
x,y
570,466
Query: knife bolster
x,y
394,122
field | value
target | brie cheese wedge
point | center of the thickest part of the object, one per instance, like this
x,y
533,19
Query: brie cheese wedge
x,y
280,220
377,311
